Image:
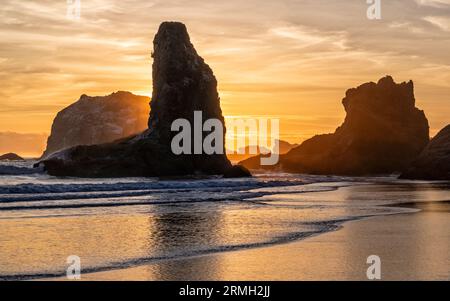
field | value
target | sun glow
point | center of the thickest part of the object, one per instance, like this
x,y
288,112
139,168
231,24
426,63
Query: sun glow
x,y
292,66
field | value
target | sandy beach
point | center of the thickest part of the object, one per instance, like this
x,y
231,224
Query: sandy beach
x,y
413,246
270,227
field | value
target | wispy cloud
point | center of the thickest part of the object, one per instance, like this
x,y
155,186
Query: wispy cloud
x,y
284,57
441,22
434,3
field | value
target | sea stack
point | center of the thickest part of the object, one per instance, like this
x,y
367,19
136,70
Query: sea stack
x,y
97,120
383,133
182,84
434,162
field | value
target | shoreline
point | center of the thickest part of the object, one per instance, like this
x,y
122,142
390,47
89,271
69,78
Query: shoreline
x,y
320,256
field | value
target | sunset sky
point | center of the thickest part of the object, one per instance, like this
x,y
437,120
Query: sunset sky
x,y
291,59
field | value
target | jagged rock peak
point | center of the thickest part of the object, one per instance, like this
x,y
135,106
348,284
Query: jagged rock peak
x,y
114,95
182,82
172,31
383,95
389,81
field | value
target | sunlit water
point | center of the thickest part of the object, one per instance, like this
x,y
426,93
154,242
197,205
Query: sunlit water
x,y
118,223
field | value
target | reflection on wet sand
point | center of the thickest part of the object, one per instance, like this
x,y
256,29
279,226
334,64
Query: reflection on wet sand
x,y
184,230
413,246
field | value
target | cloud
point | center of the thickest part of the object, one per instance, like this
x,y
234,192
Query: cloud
x,y
434,3
279,56
441,22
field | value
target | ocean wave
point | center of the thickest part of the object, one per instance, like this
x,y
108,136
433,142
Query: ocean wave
x,y
118,186
123,201
6,170
104,195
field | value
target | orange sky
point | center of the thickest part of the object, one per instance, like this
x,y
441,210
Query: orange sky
x,y
287,59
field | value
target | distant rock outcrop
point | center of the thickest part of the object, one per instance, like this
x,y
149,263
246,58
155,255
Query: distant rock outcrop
x,y
26,144
434,162
97,120
284,147
11,157
382,133
245,153
182,83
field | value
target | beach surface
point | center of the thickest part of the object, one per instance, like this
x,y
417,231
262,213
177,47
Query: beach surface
x,y
411,246
269,227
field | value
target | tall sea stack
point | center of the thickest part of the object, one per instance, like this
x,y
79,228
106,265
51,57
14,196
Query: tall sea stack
x,y
182,83
383,133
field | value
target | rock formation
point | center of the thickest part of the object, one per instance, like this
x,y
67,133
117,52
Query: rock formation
x,y
182,83
11,157
246,152
382,133
97,120
434,162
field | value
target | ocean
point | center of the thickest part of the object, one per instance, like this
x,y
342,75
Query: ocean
x,y
120,223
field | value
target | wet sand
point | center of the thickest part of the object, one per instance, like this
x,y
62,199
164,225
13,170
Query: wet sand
x,y
413,246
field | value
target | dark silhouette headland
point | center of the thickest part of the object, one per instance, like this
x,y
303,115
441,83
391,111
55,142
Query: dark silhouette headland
x,y
182,83
434,162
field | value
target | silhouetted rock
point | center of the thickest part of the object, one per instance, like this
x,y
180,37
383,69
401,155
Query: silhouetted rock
x,y
11,157
97,120
248,152
382,133
434,162
182,83
284,147
237,171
